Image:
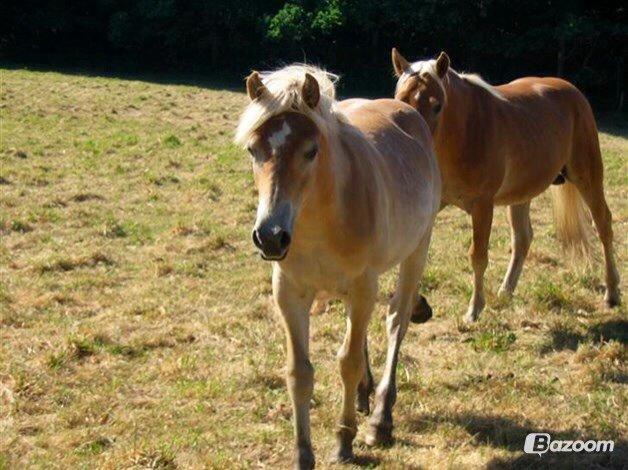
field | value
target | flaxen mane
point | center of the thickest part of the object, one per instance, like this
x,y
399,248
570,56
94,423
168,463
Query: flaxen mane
x,y
429,67
284,94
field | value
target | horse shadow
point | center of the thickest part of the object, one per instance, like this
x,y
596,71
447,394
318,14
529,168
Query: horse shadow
x,y
603,332
616,330
508,434
366,460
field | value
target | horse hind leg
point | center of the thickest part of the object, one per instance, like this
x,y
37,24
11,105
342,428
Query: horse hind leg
x,y
590,186
421,313
521,238
586,171
397,320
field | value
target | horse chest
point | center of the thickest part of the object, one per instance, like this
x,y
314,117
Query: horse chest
x,y
320,271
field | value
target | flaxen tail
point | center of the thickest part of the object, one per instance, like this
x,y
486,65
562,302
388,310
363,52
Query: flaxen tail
x,y
572,219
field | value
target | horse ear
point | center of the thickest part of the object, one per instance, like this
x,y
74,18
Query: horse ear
x,y
311,92
442,64
255,88
400,64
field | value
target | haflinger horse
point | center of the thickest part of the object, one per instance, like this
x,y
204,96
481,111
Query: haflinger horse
x,y
347,190
504,145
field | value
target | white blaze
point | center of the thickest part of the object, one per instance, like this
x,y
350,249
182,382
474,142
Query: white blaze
x,y
277,139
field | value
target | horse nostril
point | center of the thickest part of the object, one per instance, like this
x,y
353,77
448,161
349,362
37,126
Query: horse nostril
x,y
271,241
284,240
256,241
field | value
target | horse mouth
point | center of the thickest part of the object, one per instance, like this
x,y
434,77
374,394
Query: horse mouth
x,y
273,257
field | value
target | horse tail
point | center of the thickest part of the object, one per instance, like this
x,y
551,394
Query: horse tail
x,y
572,219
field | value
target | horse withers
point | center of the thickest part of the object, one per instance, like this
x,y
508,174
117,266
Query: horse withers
x,y
347,190
504,145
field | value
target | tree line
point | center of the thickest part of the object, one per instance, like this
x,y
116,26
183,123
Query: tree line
x,y
583,41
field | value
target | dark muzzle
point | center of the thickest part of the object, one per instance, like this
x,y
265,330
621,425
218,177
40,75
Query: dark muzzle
x,y
272,241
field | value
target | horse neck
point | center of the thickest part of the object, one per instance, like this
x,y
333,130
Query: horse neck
x,y
455,111
464,101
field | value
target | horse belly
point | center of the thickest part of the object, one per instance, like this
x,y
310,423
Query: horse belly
x,y
539,144
533,165
521,185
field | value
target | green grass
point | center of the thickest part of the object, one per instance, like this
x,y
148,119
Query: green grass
x,y
493,340
136,328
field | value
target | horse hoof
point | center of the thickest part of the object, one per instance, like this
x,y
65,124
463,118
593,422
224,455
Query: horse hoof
x,y
304,459
473,313
342,455
469,318
504,294
612,300
422,311
379,435
362,404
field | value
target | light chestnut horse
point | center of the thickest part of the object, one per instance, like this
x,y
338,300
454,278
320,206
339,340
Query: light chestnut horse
x,y
505,145
347,190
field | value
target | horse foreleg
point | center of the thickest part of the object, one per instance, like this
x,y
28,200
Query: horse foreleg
x,y
521,238
294,306
401,307
482,218
351,358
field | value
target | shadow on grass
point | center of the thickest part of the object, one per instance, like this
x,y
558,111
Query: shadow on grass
x,y
603,332
215,81
202,76
614,123
366,460
508,434
616,330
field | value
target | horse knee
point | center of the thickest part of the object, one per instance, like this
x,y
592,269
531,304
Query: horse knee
x,y
352,365
478,258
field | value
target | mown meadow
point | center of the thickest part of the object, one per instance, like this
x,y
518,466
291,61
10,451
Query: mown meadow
x,y
137,331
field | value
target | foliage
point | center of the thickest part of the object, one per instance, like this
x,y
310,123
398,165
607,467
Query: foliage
x,y
584,41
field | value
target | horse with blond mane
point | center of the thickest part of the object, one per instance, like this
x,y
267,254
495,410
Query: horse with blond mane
x,y
347,190
504,145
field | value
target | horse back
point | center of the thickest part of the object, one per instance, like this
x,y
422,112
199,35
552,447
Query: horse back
x,y
383,115
400,140
394,185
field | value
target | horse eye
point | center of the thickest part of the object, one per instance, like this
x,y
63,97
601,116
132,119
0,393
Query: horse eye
x,y
437,108
310,154
256,154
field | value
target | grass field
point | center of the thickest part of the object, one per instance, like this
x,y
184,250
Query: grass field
x,y
136,329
